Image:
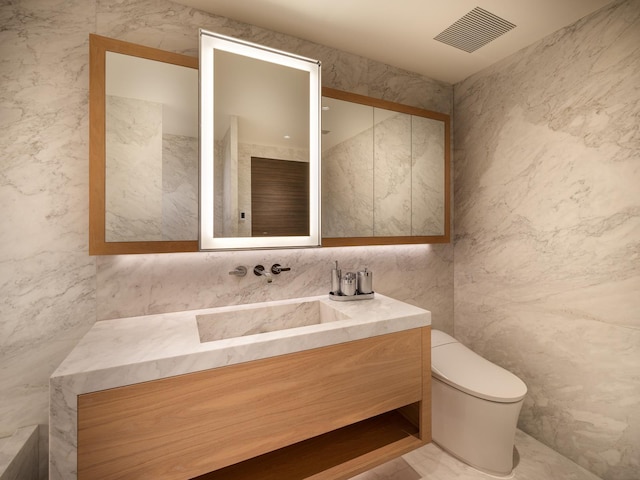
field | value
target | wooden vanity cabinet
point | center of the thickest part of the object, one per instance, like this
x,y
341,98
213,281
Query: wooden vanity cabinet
x,y
325,413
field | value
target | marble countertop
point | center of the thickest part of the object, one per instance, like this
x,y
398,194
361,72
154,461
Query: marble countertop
x,y
138,349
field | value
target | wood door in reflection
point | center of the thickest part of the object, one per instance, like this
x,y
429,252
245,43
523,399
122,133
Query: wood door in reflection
x,y
279,198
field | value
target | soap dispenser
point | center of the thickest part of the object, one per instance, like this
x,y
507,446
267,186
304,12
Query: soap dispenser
x,y
348,284
365,282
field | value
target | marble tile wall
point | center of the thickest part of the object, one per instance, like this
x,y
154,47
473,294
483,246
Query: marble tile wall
x,y
151,176
547,233
427,176
179,187
386,179
391,173
219,147
347,187
230,180
133,180
53,291
47,279
19,455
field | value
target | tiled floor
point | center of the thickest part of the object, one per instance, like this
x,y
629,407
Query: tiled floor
x,y
537,462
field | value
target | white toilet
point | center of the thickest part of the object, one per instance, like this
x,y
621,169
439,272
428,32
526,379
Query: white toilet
x,y
475,406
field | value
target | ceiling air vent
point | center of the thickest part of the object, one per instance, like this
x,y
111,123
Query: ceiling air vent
x,y
474,30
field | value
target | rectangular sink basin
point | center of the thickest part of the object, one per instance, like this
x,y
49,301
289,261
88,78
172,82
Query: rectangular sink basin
x,y
253,321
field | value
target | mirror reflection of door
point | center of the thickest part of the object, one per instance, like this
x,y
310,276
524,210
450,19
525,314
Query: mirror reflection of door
x,y
279,197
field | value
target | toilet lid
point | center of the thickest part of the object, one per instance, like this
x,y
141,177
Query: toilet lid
x,y
438,337
465,370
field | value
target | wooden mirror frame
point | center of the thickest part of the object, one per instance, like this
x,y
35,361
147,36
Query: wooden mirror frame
x,y
396,107
98,47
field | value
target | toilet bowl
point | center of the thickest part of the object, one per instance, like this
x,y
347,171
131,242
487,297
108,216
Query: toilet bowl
x,y
475,406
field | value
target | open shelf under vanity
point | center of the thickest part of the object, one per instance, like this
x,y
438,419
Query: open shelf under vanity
x,y
338,454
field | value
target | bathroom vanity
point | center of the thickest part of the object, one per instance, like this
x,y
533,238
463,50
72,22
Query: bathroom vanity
x,y
290,389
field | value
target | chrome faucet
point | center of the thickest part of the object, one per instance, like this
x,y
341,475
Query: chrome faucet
x,y
259,270
239,271
276,269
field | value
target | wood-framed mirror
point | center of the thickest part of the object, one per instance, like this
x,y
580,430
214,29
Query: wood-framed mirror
x,y
143,149
385,172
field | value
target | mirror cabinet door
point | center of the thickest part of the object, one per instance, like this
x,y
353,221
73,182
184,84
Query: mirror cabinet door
x,y
429,177
385,169
259,163
347,169
143,149
391,173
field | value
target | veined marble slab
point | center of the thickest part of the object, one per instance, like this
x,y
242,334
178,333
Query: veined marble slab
x,y
127,351
19,455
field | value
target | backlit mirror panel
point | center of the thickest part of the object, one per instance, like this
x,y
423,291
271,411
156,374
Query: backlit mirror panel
x,y
257,105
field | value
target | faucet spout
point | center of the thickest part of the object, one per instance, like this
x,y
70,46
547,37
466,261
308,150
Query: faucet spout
x,y
239,271
259,270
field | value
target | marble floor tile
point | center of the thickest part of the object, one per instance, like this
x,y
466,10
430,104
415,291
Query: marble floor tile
x,y
536,462
396,469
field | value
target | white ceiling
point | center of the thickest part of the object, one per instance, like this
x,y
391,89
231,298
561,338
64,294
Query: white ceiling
x,y
400,32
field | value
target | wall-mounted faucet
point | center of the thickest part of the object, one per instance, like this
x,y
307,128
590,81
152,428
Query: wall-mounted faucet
x,y
276,269
239,271
259,270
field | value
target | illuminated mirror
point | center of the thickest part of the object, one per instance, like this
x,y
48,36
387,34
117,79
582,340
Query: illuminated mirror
x,y
259,146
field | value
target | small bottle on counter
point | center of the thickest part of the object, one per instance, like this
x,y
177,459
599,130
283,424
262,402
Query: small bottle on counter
x,y
336,275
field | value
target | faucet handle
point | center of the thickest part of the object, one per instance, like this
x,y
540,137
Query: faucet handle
x,y
276,269
239,271
259,270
